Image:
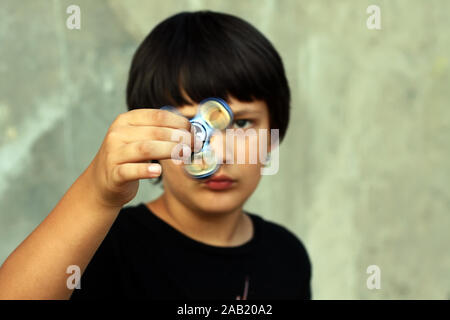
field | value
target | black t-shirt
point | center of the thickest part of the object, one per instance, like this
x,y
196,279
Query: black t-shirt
x,y
142,256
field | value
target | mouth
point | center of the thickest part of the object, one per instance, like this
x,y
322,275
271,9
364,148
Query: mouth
x,y
221,182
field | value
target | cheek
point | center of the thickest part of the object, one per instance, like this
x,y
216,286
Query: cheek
x,y
169,165
257,148
173,173
250,174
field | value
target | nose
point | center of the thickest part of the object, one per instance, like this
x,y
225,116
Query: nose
x,y
223,151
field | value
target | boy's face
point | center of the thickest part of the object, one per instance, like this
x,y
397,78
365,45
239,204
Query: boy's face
x,y
195,193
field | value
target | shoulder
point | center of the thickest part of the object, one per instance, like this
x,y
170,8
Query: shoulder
x,y
134,215
132,221
278,234
131,209
282,242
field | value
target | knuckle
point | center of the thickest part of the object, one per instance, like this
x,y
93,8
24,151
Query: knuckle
x,y
145,148
159,116
156,133
119,118
120,173
112,134
109,144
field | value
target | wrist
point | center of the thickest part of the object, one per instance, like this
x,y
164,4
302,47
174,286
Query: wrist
x,y
94,193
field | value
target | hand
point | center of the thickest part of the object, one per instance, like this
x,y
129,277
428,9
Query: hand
x,y
134,138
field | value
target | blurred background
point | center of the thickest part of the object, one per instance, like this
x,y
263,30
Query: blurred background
x,y
364,174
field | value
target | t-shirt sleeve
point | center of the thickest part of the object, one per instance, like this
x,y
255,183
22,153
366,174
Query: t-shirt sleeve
x,y
99,278
294,259
303,263
306,292
300,261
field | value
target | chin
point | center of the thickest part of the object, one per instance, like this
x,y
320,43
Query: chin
x,y
217,202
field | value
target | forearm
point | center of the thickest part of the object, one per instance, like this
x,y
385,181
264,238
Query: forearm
x,y
69,235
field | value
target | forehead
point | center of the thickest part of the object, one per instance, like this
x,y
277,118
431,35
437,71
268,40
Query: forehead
x,y
238,107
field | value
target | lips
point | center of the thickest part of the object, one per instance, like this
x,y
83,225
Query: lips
x,y
221,182
221,177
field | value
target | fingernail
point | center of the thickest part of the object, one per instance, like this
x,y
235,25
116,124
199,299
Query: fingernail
x,y
154,168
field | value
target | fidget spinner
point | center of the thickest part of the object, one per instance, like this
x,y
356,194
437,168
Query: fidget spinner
x,y
213,114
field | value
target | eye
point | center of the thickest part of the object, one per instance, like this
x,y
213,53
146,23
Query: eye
x,y
242,123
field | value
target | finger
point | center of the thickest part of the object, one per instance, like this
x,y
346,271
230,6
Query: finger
x,y
154,117
128,172
150,150
129,134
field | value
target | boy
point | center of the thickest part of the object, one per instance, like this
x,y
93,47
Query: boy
x,y
195,241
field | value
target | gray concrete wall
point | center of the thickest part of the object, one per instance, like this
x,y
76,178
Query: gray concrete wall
x,y
365,166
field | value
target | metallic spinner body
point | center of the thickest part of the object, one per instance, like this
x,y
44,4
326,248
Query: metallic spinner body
x,y
213,114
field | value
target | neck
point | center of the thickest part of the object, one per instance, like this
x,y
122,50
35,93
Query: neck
x,y
224,229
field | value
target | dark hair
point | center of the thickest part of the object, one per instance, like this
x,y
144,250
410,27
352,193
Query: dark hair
x,y
208,54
